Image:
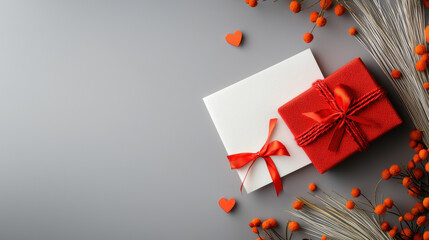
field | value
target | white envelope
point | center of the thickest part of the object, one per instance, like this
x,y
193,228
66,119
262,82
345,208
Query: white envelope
x,y
242,111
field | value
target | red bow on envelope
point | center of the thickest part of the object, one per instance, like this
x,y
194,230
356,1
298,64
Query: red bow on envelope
x,y
269,149
341,113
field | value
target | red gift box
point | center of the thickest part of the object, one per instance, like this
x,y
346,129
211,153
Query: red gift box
x,y
339,115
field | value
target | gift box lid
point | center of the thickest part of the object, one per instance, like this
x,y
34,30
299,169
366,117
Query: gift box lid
x,y
355,76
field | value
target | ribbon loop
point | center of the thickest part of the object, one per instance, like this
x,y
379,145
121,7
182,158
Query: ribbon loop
x,y
274,148
341,113
343,97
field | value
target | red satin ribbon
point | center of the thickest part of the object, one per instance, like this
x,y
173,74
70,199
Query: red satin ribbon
x,y
341,113
269,149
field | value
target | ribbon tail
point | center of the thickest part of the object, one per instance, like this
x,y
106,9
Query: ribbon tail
x,y
245,176
337,137
275,176
273,122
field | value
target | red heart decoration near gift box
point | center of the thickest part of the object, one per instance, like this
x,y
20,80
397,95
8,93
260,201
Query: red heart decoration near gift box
x,y
234,39
227,205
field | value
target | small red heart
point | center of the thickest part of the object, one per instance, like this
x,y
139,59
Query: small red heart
x,y
234,39
227,205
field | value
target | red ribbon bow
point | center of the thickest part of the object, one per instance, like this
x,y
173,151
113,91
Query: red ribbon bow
x,y
342,114
269,149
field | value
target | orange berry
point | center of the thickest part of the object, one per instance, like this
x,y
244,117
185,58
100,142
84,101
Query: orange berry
x,y
294,226
400,218
414,191
396,74
308,37
253,3
385,226
380,209
298,205
255,230
392,232
352,31
418,173
324,237
340,10
251,225
412,143
261,238
385,174
415,211
350,205
388,202
420,49
273,222
426,86
411,165
355,192
407,181
409,216
395,170
314,16
266,225
256,222
419,207
423,154
321,21
426,235
421,65
416,158
422,220
407,233
427,33
326,4
425,57
416,135
295,6
426,203
427,167
312,187
418,147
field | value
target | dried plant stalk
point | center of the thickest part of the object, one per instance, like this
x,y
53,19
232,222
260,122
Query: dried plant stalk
x,y
333,219
390,30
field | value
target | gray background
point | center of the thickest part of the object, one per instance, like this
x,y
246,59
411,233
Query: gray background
x,y
103,131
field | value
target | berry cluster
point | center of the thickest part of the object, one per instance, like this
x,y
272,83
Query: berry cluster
x,y
414,177
268,228
421,51
422,63
411,224
316,17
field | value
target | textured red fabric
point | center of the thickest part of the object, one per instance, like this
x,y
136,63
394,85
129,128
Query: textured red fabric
x,y
356,76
